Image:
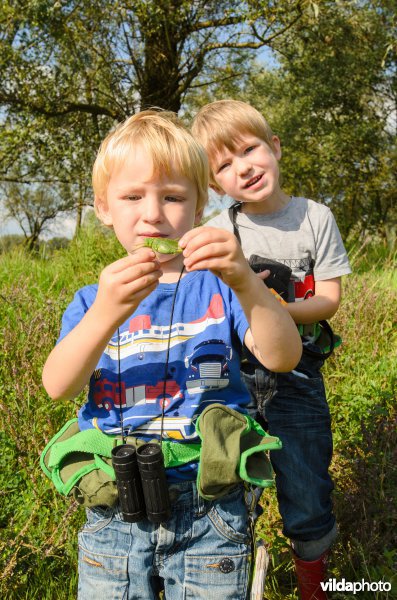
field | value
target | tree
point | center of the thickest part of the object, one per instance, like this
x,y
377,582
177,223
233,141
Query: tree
x,y
46,171
70,70
106,59
34,207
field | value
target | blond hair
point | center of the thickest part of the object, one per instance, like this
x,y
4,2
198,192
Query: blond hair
x,y
222,124
167,141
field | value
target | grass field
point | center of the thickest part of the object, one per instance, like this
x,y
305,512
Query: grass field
x,y
38,527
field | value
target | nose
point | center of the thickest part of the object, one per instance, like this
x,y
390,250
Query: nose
x,y
153,211
243,166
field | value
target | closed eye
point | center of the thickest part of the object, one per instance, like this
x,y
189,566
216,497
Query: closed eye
x,y
175,198
223,167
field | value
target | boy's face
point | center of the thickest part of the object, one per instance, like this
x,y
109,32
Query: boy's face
x,y
139,204
250,172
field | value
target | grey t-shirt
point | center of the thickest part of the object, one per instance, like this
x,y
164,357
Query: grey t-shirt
x,y
303,235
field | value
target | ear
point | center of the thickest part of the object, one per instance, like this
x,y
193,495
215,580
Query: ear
x,y
217,189
198,216
276,147
103,212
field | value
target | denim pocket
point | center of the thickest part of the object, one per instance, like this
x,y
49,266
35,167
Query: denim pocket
x,y
102,546
103,573
97,518
261,384
221,576
230,518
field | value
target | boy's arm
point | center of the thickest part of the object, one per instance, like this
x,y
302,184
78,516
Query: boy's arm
x,y
273,337
122,286
323,305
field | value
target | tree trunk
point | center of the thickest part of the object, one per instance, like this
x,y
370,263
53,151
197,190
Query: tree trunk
x,y
390,230
79,216
163,34
160,79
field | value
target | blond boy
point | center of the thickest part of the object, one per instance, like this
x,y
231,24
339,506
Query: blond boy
x,y
150,179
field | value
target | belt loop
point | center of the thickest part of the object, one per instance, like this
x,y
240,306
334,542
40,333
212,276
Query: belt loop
x,y
198,501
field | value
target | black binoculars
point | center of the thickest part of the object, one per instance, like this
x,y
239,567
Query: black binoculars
x,y
141,483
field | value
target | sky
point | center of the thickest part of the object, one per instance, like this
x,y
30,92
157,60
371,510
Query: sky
x,y
63,226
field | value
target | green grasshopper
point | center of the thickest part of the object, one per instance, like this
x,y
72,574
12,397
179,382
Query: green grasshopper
x,y
162,245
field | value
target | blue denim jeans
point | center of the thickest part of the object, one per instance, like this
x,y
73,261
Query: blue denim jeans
x,y
202,552
295,409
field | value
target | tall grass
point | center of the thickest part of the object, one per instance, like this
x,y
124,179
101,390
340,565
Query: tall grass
x,y
38,527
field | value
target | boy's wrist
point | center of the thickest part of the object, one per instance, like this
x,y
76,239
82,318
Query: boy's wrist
x,y
251,286
102,319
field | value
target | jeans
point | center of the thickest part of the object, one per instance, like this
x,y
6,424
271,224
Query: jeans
x,y
202,552
295,409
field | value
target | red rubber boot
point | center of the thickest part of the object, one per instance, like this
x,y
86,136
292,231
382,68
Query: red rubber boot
x,y
310,574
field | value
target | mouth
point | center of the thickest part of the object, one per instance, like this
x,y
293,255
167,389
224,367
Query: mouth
x,y
151,234
252,181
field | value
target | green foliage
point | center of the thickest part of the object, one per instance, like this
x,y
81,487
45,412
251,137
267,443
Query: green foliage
x,y
333,106
69,71
9,241
33,207
38,527
105,59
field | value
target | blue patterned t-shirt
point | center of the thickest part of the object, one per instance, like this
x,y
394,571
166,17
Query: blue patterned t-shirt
x,y
207,330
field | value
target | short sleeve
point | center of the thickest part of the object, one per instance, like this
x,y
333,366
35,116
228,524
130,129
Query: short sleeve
x,y
331,258
76,310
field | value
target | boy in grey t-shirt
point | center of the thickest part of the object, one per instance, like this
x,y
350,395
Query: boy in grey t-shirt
x,y
299,241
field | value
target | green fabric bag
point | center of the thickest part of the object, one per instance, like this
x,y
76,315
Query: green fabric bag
x,y
233,448
79,465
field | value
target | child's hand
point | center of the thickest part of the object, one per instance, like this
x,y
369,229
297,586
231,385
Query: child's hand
x,y
125,283
218,251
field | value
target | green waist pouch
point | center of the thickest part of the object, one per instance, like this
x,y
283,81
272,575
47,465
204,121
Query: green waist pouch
x,y
232,448
79,465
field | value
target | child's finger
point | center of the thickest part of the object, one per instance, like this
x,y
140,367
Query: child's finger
x,y
210,264
213,250
142,284
264,274
206,237
134,272
140,256
195,237
142,293
189,235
